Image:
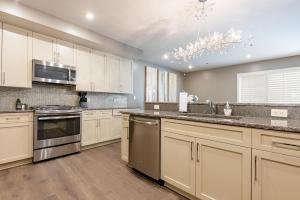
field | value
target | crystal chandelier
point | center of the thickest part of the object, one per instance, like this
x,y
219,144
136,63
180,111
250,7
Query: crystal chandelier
x,y
210,44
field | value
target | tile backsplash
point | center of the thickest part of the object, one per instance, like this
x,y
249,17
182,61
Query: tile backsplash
x,y
41,94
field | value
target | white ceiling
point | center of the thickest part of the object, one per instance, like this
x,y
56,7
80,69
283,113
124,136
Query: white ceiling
x,y
158,26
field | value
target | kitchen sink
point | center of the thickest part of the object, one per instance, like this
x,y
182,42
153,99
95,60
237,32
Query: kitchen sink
x,y
208,116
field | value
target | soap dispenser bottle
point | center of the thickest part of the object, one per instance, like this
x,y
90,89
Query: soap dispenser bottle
x,y
227,109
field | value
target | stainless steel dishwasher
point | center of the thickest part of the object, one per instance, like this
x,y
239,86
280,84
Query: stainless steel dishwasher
x,y
144,146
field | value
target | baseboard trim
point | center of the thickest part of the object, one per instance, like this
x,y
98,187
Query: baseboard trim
x,y
189,196
15,164
100,144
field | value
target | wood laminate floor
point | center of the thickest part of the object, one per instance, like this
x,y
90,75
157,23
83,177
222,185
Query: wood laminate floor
x,y
96,174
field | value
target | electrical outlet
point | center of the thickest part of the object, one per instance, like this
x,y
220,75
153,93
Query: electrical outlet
x,y
279,113
156,107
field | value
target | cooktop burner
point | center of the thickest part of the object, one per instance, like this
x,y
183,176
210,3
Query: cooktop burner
x,y
56,109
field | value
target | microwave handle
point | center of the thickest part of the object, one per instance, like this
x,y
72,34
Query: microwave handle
x,y
59,117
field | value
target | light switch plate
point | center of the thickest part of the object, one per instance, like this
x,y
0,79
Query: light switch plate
x,y
156,107
279,113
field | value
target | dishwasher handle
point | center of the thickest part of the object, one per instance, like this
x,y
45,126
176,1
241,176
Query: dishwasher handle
x,y
144,122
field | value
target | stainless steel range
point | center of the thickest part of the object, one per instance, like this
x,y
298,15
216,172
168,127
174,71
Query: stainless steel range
x,y
57,131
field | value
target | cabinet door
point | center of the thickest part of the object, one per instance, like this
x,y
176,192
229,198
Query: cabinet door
x,y
89,132
43,47
16,142
65,53
16,57
105,129
275,176
178,161
83,66
113,64
223,171
126,76
99,72
125,144
117,127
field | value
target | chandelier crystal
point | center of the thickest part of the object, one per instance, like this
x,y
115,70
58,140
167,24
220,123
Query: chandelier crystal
x,y
209,44
202,8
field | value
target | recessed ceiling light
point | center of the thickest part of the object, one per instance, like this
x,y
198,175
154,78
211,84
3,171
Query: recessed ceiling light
x,y
248,56
89,16
190,67
166,56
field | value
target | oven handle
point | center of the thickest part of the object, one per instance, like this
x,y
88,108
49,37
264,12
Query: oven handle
x,y
59,117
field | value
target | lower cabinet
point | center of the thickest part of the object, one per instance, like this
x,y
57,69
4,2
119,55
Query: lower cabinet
x,y
125,138
223,171
203,168
275,176
16,137
178,161
100,126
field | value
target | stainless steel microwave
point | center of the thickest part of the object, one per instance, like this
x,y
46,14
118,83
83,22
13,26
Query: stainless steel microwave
x,y
49,72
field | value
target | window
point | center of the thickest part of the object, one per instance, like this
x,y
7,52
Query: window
x,y
273,86
151,84
172,87
161,86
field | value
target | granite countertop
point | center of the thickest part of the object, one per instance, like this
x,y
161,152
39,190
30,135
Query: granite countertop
x,y
14,111
289,125
109,108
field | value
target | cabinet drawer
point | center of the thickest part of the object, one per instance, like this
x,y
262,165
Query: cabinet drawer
x,y
15,118
222,133
105,113
90,114
276,141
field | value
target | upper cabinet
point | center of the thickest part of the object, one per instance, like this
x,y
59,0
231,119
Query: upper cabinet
x,y
126,76
99,72
113,64
54,50
16,57
84,68
65,52
43,47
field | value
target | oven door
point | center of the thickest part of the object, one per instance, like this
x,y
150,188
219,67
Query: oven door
x,y
56,130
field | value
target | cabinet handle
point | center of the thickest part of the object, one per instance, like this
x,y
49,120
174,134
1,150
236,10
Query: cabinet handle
x,y
127,134
192,144
12,118
255,168
286,145
198,152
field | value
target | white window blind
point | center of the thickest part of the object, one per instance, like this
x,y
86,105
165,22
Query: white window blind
x,y
273,86
162,86
151,84
172,87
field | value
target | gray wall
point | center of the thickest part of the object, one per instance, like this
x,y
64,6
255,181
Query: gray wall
x,y
220,85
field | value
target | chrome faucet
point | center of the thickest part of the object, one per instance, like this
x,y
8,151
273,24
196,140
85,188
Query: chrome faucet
x,y
212,107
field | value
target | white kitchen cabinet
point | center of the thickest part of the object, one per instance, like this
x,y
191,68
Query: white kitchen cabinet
x,y
113,64
178,161
16,137
16,57
97,126
116,131
275,176
125,138
105,130
65,52
99,73
84,69
43,47
89,131
223,171
126,76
